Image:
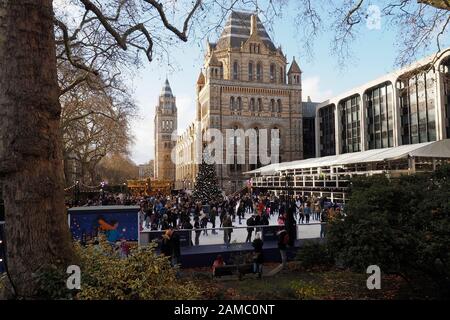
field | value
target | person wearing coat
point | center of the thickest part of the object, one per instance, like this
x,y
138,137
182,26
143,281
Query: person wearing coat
x,y
175,247
250,224
258,256
283,240
227,223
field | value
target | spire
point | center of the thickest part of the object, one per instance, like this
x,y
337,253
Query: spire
x,y
201,78
166,91
208,45
294,67
253,25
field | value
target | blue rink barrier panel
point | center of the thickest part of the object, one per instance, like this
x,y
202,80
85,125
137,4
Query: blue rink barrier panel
x,y
85,222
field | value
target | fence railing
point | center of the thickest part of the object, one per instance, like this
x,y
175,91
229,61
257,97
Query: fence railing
x,y
239,234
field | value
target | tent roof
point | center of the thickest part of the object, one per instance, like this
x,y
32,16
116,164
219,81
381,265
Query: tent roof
x,y
437,149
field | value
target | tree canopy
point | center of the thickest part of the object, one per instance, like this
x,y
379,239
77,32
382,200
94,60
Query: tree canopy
x,y
400,224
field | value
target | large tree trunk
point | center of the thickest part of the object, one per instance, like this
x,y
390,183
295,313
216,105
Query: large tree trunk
x,y
31,165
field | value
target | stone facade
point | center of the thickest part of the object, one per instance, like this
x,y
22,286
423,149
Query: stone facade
x,y
244,85
165,130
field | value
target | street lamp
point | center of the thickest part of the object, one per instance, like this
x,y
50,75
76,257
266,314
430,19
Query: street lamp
x,y
102,184
77,192
287,180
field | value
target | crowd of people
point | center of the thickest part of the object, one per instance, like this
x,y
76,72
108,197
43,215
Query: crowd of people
x,y
169,213
106,199
182,212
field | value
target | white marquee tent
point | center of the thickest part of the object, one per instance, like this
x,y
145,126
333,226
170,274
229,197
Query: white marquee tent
x,y
329,176
437,149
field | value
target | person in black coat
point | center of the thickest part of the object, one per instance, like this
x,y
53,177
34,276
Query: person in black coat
x,y
250,224
187,225
165,244
291,225
175,250
283,240
257,221
198,230
264,220
258,257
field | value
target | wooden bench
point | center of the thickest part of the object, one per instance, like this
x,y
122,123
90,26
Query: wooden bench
x,y
232,269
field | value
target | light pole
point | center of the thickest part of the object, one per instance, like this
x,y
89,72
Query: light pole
x,y
77,192
287,180
102,185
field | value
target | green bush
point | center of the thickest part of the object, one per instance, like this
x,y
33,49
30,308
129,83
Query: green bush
x,y
400,224
144,275
314,254
52,283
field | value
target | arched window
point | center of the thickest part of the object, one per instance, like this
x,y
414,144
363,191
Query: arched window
x,y
221,70
239,104
259,106
272,73
250,71
252,104
276,140
281,75
272,105
236,142
232,103
235,70
259,72
279,105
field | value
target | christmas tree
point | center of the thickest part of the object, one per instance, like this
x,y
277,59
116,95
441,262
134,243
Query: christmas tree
x,y
206,187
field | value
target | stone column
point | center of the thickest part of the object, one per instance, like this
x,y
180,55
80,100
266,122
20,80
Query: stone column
x,y
396,117
363,124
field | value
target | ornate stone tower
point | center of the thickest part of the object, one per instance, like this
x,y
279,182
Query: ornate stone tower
x,y
165,129
244,84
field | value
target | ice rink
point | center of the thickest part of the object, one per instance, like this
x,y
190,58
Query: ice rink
x,y
239,234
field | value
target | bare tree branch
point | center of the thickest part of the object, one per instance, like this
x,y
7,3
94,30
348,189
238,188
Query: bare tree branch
x,y
180,34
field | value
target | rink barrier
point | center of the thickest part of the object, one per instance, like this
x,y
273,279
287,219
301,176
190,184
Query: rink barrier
x,y
268,233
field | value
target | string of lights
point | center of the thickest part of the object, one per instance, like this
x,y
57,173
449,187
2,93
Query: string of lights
x,y
80,184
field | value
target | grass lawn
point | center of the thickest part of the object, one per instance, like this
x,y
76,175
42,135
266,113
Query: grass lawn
x,y
298,284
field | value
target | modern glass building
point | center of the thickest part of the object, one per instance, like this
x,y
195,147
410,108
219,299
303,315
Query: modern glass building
x,y
309,128
408,106
326,127
350,124
380,116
